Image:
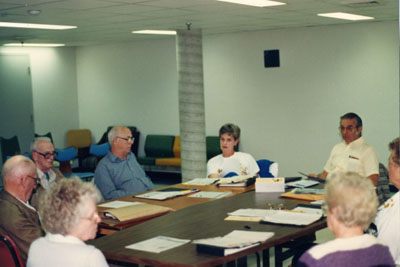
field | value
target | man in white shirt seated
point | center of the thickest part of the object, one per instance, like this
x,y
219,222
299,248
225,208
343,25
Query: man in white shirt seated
x,y
353,154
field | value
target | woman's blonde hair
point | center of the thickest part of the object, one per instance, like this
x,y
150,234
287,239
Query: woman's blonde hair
x,y
354,197
62,206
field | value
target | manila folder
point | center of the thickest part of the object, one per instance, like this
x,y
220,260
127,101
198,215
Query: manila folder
x,y
140,211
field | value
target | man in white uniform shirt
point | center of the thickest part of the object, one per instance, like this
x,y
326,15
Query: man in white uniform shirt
x,y
353,154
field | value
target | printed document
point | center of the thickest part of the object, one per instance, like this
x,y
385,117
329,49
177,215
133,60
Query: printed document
x,y
118,204
158,244
208,194
292,217
202,181
236,240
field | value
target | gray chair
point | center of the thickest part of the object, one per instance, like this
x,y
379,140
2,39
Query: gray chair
x,y
383,189
9,147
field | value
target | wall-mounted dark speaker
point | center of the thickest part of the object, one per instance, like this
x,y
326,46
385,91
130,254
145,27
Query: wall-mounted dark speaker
x,y
271,58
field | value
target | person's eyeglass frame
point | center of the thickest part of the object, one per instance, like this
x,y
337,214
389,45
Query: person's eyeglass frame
x,y
348,128
127,138
92,218
36,179
47,155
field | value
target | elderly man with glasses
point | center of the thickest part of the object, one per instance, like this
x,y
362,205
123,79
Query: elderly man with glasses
x,y
18,219
353,154
119,174
43,155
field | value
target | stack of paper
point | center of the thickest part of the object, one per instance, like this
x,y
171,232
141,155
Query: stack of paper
x,y
231,243
248,215
237,181
270,184
297,216
118,204
158,244
166,193
202,181
209,194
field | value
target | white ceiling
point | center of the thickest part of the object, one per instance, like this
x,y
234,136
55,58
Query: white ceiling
x,y
110,21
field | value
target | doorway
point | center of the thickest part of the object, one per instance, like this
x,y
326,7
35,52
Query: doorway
x,y
16,103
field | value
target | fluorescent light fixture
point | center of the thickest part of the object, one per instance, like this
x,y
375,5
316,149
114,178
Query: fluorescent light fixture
x,y
36,26
155,32
257,3
346,16
33,45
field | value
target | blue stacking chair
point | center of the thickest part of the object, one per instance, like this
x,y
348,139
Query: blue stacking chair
x,y
268,168
64,156
99,151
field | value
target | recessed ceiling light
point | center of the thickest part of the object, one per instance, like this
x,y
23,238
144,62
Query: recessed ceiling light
x,y
257,3
34,12
155,32
346,16
36,26
33,45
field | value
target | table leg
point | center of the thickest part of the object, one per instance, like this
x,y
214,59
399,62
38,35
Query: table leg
x,y
278,256
265,257
242,262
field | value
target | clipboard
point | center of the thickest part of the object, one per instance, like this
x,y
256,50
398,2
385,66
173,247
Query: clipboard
x,y
314,178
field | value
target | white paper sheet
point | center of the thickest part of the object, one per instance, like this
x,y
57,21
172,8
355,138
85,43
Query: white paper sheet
x,y
252,212
158,244
118,204
292,217
202,181
162,195
236,239
208,194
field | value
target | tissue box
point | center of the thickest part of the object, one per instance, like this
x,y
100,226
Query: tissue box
x,y
270,184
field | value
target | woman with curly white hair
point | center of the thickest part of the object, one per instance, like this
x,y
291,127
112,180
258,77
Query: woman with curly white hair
x,y
69,216
351,204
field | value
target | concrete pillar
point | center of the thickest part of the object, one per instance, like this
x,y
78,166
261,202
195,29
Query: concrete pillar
x,y
191,103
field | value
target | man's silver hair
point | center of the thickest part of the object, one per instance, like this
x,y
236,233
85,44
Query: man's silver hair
x,y
36,140
113,133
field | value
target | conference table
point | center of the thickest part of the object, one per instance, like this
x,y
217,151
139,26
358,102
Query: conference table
x,y
202,221
108,226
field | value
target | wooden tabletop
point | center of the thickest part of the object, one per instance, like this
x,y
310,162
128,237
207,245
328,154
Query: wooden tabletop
x,y
200,221
175,203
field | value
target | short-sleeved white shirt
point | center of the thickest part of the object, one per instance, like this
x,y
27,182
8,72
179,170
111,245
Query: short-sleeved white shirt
x,y
388,223
358,156
240,163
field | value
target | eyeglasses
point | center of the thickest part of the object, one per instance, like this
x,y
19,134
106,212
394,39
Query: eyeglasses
x,y
127,138
348,128
276,206
48,155
94,218
36,179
